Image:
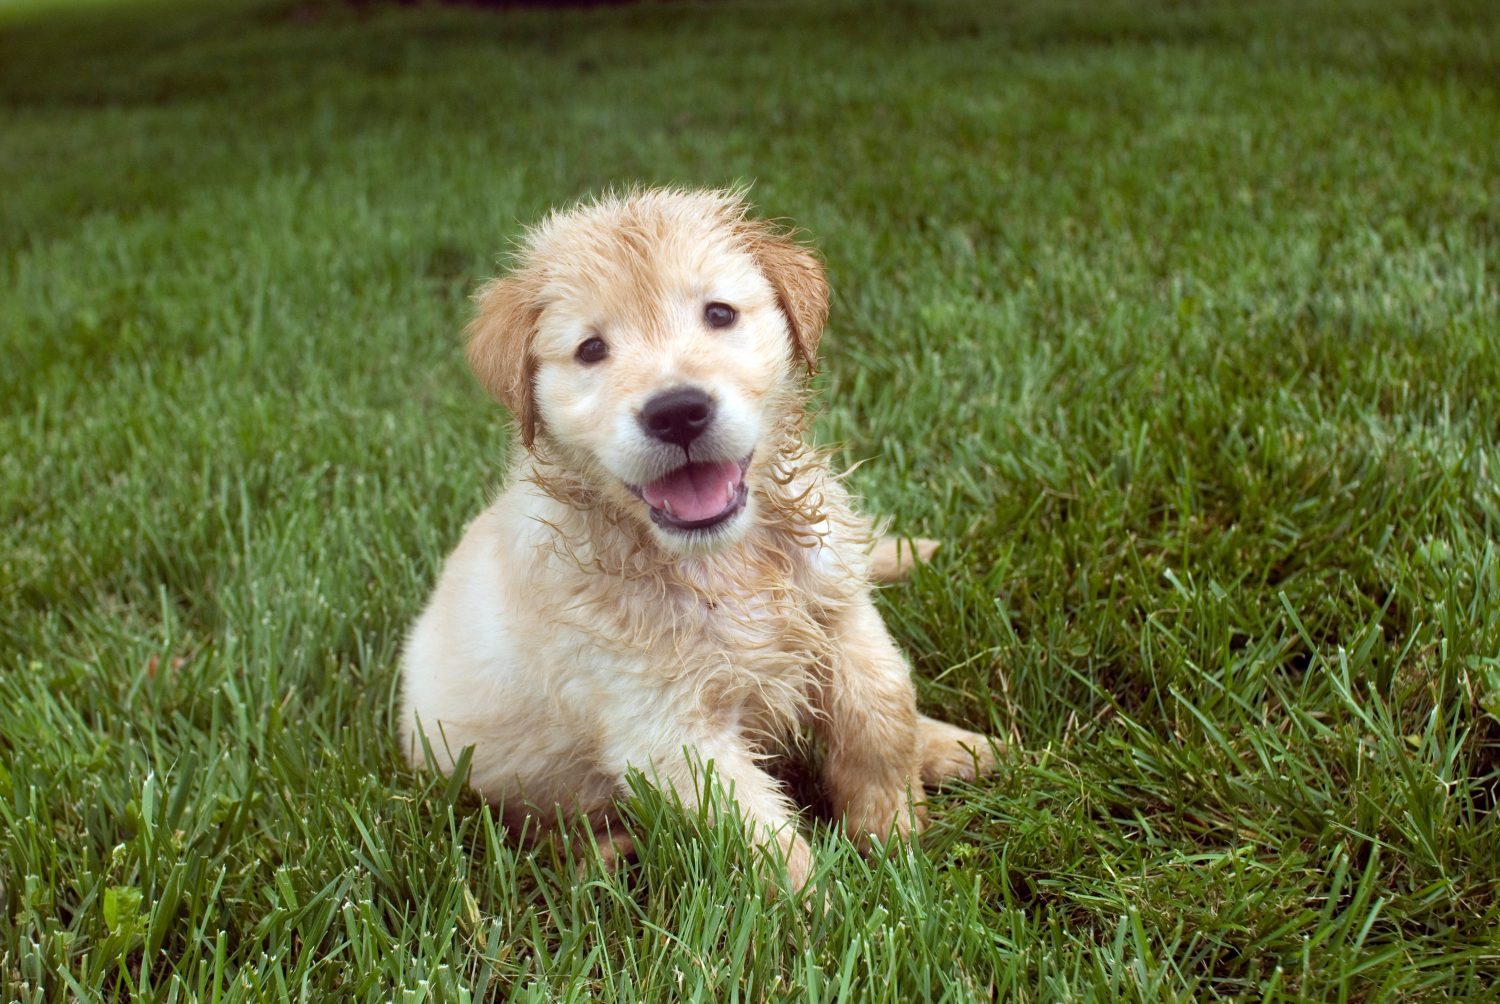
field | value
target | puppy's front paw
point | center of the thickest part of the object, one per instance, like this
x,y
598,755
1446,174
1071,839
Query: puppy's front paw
x,y
880,813
951,753
615,847
798,862
788,852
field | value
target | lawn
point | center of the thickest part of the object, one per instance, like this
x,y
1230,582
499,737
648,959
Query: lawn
x,y
1178,322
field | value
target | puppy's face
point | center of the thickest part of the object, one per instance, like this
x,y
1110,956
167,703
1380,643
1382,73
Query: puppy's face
x,y
659,347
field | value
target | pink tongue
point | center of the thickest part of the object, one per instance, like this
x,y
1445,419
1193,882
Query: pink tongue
x,y
694,492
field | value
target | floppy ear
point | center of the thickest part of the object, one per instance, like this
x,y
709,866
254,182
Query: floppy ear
x,y
801,288
499,348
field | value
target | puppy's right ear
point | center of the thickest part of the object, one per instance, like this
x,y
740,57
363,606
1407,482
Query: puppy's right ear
x,y
499,348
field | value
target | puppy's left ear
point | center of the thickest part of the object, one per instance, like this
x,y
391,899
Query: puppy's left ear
x,y
801,287
499,348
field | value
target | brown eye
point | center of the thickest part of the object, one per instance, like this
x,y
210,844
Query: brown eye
x,y
592,351
719,315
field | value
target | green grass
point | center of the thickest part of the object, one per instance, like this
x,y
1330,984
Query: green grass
x,y
1180,323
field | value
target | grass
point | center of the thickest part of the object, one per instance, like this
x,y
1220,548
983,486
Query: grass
x,y
1178,322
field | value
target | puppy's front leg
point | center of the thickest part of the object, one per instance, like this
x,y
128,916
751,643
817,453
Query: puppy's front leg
x,y
867,715
763,807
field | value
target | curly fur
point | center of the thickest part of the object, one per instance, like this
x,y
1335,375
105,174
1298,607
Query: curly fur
x,y
570,639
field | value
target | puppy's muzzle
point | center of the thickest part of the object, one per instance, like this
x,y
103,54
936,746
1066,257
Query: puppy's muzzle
x,y
678,416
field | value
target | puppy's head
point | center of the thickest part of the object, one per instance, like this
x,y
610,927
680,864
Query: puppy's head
x,y
655,343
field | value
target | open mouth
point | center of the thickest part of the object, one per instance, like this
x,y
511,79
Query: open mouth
x,y
697,496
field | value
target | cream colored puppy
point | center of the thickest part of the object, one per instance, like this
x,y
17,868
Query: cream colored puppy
x,y
671,577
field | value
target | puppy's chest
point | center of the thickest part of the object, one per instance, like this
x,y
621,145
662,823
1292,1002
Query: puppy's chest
x,y
742,633
755,652
693,618
762,627
779,620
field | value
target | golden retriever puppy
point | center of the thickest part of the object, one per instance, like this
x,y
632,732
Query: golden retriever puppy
x,y
671,578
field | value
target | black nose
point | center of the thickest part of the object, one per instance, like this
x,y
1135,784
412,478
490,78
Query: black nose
x,y
678,416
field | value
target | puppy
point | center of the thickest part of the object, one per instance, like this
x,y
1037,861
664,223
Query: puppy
x,y
672,578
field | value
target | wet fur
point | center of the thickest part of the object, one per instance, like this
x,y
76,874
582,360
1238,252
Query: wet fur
x,y
569,641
